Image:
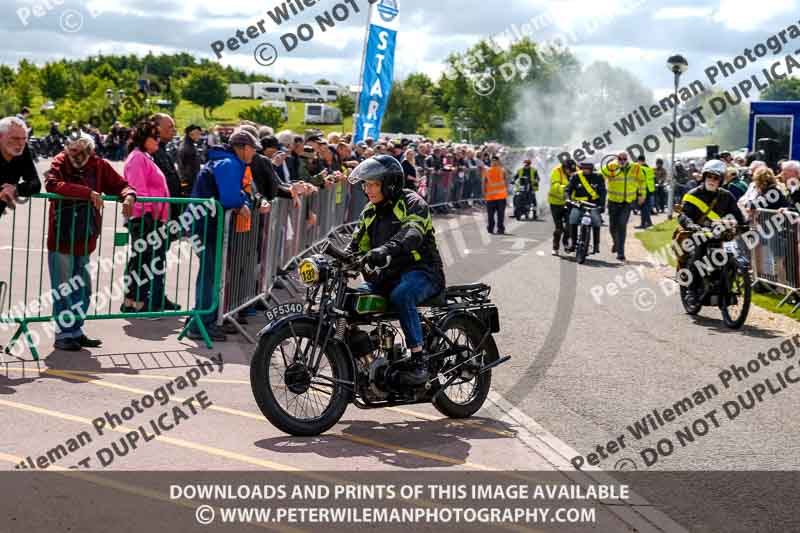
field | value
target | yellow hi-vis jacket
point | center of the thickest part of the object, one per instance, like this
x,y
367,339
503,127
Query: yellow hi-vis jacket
x,y
624,185
649,176
558,184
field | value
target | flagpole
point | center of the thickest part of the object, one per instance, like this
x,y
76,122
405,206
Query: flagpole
x,y
363,67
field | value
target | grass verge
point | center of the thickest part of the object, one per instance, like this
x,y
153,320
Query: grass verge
x,y
659,236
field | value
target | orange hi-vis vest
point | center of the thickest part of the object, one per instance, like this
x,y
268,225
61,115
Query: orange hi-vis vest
x,y
496,188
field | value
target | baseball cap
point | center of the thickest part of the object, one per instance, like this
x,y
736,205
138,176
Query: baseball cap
x,y
244,138
314,137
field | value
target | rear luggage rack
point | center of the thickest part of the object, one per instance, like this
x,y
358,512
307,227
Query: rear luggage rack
x,y
475,293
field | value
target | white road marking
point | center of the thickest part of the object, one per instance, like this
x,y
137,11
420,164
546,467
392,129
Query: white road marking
x,y
637,512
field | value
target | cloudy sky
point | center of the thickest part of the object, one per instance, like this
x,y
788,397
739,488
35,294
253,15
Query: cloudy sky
x,y
636,34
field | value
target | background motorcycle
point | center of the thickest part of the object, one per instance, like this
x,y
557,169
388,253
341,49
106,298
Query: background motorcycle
x,y
345,348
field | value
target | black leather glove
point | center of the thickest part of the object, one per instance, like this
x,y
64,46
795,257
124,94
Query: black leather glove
x,y
376,257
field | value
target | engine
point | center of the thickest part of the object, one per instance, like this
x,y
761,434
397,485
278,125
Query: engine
x,y
374,352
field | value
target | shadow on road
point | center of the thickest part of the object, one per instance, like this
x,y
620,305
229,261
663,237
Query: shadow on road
x,y
716,324
440,438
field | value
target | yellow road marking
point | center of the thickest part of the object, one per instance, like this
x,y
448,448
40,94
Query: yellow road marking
x,y
130,489
245,414
409,412
181,443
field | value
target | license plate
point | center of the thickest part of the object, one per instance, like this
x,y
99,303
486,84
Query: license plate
x,y
730,247
586,221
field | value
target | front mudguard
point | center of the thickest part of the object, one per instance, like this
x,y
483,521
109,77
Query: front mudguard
x,y
313,321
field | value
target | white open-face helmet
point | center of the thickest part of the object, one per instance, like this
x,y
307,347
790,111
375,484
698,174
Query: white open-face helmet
x,y
716,168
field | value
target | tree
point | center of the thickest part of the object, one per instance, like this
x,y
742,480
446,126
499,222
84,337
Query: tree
x,y
207,89
264,115
26,81
9,105
81,86
487,84
322,81
106,72
408,109
783,90
7,76
421,82
606,93
54,81
346,104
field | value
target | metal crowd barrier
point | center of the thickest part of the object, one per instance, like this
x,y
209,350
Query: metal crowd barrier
x,y
101,261
263,259
775,258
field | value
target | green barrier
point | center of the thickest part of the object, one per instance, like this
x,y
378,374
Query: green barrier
x,y
74,228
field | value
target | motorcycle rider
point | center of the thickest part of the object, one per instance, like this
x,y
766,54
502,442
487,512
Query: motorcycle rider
x,y
396,228
526,182
588,186
707,203
559,179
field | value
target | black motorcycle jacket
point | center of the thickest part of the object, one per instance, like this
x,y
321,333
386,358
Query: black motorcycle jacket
x,y
701,206
405,228
577,188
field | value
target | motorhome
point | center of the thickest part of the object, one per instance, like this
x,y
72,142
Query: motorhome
x,y
241,90
303,93
279,104
269,91
322,114
329,92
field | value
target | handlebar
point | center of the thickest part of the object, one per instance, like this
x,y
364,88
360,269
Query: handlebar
x,y
581,203
354,260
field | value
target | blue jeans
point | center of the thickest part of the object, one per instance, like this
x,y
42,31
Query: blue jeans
x,y
415,287
647,209
204,288
69,276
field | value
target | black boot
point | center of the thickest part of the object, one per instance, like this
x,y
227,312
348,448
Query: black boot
x,y
415,372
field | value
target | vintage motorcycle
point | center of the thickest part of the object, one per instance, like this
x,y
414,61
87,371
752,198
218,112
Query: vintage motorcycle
x,y
344,347
726,282
584,229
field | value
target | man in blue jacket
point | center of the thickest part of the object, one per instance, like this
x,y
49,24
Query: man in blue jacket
x,y
226,178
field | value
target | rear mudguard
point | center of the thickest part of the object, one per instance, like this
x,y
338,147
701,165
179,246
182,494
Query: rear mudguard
x,y
492,353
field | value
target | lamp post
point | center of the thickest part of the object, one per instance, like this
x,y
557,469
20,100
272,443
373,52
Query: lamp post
x,y
677,64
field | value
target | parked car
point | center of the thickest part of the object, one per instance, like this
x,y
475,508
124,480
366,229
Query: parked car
x,y
437,122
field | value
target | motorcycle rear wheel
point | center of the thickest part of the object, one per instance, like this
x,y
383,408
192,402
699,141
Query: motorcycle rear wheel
x,y
287,394
464,397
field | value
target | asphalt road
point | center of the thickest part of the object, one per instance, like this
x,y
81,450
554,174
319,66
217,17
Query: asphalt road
x,y
595,348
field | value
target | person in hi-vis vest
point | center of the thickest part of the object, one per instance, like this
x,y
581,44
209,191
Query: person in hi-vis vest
x,y
624,186
556,197
495,192
649,178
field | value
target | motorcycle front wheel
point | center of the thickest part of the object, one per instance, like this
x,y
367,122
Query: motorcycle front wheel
x,y
736,304
583,245
293,397
467,393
